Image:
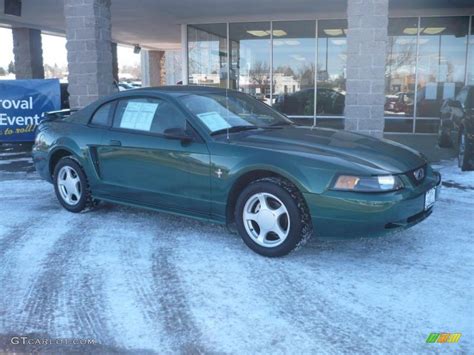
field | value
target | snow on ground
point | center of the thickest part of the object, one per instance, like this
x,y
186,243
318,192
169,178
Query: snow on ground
x,y
145,282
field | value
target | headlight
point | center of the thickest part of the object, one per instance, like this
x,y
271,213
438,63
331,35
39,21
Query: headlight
x,y
368,183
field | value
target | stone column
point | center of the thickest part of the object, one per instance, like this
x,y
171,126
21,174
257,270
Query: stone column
x,y
88,34
366,53
28,53
153,68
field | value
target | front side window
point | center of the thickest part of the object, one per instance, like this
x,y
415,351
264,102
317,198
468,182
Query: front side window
x,y
148,115
221,111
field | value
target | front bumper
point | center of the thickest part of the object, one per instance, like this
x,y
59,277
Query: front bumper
x,y
344,215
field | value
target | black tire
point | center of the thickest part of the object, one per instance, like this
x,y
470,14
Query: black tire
x,y
299,228
85,201
464,158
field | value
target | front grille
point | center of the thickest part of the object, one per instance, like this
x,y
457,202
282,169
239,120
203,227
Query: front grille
x,y
413,174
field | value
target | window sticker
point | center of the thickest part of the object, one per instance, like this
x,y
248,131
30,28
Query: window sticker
x,y
213,120
139,115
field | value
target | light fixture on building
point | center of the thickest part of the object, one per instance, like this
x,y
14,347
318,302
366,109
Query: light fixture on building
x,y
279,33
137,49
262,33
258,33
333,31
433,30
410,30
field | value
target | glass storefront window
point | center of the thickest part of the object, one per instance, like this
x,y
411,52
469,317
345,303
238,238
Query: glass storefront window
x,y
293,69
425,64
400,74
331,68
207,54
250,58
441,66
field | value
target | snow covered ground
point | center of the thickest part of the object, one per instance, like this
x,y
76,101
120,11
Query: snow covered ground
x,y
146,282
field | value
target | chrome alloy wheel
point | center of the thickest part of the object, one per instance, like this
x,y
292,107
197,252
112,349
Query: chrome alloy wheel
x,y
69,185
266,219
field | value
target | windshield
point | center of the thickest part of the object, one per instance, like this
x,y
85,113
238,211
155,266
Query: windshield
x,y
221,112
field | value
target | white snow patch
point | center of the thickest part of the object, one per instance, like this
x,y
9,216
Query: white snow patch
x,y
140,280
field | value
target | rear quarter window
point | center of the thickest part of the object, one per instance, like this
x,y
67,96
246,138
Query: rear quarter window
x,y
101,117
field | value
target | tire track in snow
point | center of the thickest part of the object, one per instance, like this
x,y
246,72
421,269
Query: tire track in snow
x,y
14,241
159,290
20,233
312,312
177,315
63,286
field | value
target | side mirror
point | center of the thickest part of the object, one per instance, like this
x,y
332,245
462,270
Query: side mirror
x,y
178,133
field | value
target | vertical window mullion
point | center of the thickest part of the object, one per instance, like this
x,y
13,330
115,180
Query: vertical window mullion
x,y
315,102
415,97
228,55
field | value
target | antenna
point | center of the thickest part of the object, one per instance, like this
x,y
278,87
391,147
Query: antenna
x,y
227,113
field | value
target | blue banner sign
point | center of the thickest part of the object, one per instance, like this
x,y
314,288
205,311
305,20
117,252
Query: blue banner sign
x,y
23,104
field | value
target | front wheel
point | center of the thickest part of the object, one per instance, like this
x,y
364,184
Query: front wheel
x,y
272,217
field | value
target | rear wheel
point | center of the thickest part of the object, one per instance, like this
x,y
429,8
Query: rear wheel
x,y
272,218
71,186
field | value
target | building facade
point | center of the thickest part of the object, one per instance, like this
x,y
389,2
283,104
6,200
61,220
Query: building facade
x,y
373,66
300,66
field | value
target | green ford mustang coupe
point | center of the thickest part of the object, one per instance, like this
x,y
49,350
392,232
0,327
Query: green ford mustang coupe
x,y
222,156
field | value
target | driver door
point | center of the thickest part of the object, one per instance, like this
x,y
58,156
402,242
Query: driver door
x,y
140,165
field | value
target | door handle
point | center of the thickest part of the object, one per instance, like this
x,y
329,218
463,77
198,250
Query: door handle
x,y
115,143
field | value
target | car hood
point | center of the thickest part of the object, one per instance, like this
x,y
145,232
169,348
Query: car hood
x,y
362,150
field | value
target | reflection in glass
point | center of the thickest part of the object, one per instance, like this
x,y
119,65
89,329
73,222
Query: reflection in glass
x,y
441,66
400,74
250,58
331,67
293,68
207,53
400,67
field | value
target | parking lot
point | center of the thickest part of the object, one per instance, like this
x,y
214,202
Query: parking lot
x,y
141,281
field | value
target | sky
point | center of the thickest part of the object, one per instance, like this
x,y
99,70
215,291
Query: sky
x,y
54,50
